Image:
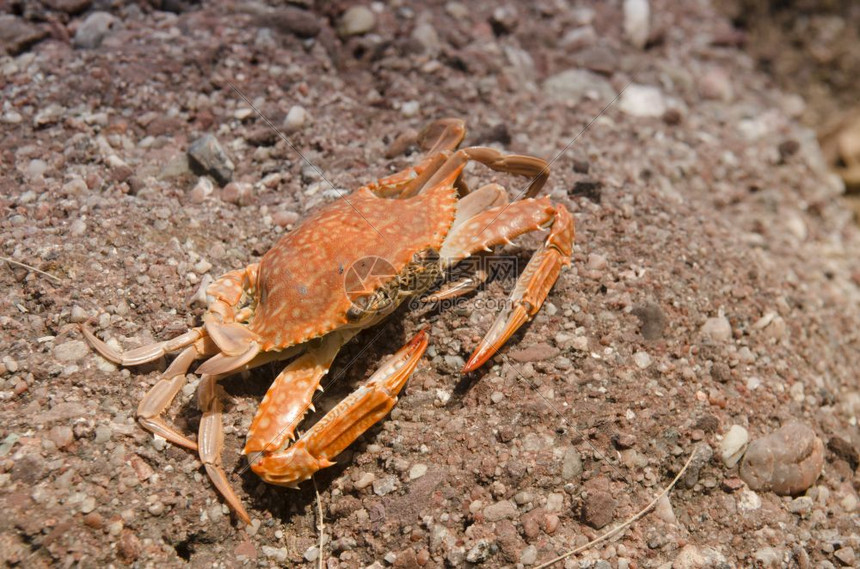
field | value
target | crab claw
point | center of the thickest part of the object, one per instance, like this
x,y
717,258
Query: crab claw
x,y
503,328
531,289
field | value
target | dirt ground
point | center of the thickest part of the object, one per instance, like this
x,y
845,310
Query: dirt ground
x,y
715,283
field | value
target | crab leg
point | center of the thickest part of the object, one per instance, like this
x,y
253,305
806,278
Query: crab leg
x,y
289,397
143,354
158,399
439,139
498,225
211,442
345,423
535,168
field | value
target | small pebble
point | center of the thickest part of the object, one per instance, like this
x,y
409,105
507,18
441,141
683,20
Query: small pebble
x,y
88,504
92,31
71,351
356,21
574,85
637,14
596,262
410,108
285,218
296,118
801,506
78,315
529,555
365,480
787,461
846,556
571,464
718,329
383,486
598,508
480,552
279,554
103,434
642,360
62,436
694,557
312,553
733,445
642,101
209,157
237,193
716,84
77,228
94,520
201,190
504,509
417,471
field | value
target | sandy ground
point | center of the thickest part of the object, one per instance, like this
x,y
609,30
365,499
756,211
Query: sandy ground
x,y
715,284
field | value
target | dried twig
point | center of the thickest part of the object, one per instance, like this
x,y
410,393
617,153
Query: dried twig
x,y
31,268
320,522
629,522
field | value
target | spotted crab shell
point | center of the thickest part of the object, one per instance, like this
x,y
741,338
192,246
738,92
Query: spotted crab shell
x,y
301,291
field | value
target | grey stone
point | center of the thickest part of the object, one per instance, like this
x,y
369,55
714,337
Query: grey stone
x,y
17,35
787,461
575,85
72,351
571,464
92,31
500,511
207,154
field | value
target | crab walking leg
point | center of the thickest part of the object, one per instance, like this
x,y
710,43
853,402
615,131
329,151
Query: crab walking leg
x,y
211,443
158,399
346,422
142,354
530,166
531,288
289,397
459,288
439,139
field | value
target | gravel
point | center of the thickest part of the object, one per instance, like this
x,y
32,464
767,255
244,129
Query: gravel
x,y
713,285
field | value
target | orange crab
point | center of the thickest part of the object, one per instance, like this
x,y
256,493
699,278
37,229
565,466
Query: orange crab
x,y
347,267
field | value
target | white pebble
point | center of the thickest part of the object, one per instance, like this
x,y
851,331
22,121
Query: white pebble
x,y
733,445
642,101
410,108
296,118
642,359
718,329
417,471
636,22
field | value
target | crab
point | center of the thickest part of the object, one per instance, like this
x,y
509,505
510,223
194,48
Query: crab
x,y
344,269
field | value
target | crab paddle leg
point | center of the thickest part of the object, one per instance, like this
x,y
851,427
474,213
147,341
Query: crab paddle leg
x,y
345,423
